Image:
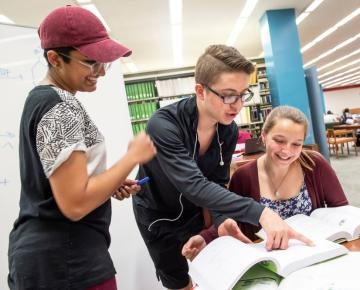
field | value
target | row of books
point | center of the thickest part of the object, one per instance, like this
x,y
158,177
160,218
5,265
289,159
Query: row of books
x,y
252,114
142,110
140,91
261,73
138,127
264,112
175,87
264,86
266,99
244,117
253,77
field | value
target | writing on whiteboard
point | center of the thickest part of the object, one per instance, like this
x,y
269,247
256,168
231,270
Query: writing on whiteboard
x,y
7,74
3,181
6,140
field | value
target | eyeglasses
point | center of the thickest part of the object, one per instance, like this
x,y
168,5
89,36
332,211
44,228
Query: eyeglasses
x,y
245,96
95,67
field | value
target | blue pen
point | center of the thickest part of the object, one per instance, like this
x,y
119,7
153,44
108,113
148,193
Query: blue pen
x,y
143,181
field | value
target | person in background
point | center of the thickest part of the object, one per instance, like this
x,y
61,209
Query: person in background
x,y
287,178
347,117
195,139
61,237
330,117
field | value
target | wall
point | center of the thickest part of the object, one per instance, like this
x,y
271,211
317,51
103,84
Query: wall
x,y
337,100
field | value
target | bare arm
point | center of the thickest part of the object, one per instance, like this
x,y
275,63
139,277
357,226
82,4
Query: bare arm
x,y
77,194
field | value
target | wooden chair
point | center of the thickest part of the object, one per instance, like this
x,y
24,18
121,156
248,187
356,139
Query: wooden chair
x,y
313,147
336,139
355,111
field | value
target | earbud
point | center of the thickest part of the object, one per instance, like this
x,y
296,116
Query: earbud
x,y
220,147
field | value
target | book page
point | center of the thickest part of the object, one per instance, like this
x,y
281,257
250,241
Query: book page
x,y
258,278
317,229
298,255
221,263
346,218
341,273
313,228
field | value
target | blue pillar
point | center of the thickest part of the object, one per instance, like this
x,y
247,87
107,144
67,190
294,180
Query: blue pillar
x,y
284,66
316,101
322,98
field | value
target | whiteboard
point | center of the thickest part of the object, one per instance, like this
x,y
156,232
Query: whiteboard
x,y
21,67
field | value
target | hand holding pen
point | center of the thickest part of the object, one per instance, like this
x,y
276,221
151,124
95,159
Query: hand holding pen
x,y
129,188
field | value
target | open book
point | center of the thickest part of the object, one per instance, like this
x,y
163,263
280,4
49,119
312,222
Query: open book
x,y
224,261
337,224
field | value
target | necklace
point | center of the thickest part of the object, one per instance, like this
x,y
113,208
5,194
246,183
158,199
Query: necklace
x,y
275,188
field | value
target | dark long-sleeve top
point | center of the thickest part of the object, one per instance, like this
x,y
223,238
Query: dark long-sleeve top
x,y
322,184
183,181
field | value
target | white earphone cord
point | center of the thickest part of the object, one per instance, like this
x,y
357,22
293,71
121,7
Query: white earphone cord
x,y
181,204
220,146
169,220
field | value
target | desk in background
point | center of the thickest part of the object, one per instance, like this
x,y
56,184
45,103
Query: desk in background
x,y
238,162
348,126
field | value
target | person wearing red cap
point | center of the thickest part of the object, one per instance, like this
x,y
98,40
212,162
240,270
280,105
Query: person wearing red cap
x,y
61,237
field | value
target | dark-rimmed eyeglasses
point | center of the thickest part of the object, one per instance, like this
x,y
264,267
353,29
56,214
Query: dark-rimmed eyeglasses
x,y
95,67
245,96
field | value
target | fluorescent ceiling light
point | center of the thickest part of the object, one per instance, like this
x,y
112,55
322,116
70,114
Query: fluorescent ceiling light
x,y
330,51
176,7
131,67
241,21
20,37
5,19
347,82
340,68
352,82
344,78
92,8
338,60
308,10
331,30
339,74
176,37
301,17
175,12
313,5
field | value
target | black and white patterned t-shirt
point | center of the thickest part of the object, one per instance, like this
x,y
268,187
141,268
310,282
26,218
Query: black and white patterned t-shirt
x,y
65,128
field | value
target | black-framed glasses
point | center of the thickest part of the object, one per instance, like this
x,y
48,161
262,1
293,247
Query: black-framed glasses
x,y
95,67
245,96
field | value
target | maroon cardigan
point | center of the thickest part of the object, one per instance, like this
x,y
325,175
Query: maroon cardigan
x,y
322,184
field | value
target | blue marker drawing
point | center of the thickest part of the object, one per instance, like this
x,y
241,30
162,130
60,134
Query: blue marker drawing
x,y
7,135
4,181
143,181
5,145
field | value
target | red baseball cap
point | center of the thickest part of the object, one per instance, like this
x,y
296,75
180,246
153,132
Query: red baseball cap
x,y
73,26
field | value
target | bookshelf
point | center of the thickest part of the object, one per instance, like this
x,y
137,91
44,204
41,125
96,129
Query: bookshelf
x,y
254,112
146,92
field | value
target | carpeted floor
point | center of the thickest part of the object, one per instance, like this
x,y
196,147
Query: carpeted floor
x,y
347,168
